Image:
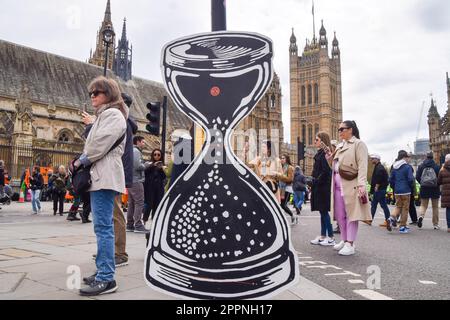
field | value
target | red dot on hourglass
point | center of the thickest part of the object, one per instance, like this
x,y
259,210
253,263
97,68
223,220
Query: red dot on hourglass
x,y
215,91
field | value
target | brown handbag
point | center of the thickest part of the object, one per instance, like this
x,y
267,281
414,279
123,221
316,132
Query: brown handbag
x,y
347,172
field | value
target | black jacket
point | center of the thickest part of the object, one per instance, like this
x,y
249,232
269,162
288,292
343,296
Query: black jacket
x,y
37,183
321,186
380,177
127,158
428,192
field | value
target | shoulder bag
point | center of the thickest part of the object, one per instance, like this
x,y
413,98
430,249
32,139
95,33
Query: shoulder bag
x,y
81,177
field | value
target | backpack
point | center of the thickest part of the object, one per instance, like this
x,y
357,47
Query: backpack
x,y
428,178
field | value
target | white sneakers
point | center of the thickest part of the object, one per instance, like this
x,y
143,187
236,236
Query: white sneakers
x,y
339,246
326,242
347,250
344,248
317,241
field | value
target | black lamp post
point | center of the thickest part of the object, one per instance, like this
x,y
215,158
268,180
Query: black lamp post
x,y
108,36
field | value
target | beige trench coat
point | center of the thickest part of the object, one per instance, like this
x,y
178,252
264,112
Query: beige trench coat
x,y
107,172
353,153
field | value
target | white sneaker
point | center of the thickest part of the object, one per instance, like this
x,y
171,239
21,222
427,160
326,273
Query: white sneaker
x,y
317,241
339,246
328,242
347,250
436,227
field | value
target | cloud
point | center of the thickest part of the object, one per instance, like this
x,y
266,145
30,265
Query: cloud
x,y
394,53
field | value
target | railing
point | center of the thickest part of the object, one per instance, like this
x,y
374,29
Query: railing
x,y
18,158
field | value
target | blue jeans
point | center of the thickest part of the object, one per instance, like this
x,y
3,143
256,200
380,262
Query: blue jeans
x,y
35,200
102,205
325,224
447,211
299,198
379,197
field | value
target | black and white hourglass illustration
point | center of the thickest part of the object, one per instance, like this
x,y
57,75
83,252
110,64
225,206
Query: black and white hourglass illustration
x,y
219,232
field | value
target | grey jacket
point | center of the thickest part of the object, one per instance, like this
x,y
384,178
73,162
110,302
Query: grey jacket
x,y
107,171
138,166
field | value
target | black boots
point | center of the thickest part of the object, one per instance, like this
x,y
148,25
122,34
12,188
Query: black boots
x,y
72,217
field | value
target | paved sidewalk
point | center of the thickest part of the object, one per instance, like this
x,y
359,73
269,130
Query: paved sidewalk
x,y
36,253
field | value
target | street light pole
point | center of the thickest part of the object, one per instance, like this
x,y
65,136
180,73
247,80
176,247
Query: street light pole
x,y
108,37
219,15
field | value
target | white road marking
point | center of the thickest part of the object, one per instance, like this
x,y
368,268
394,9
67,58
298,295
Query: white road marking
x,y
427,282
353,281
372,295
345,273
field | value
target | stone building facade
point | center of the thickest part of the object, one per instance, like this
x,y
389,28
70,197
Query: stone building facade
x,y
316,91
439,129
42,96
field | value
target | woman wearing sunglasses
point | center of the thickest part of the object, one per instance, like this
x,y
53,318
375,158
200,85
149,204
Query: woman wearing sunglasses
x,y
107,176
349,199
155,179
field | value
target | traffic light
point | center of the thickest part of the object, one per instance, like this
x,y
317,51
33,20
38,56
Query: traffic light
x,y
300,150
153,118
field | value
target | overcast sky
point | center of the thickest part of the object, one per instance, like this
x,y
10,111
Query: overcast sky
x,y
394,53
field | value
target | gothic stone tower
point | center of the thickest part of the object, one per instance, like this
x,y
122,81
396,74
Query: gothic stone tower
x,y
98,58
316,90
123,61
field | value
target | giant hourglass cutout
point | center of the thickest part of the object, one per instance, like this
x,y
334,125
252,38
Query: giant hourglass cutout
x,y
219,232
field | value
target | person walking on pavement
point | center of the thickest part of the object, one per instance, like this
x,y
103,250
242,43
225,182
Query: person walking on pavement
x,y
103,150
136,192
412,202
349,199
286,178
401,180
444,182
59,190
321,190
378,187
36,185
155,178
299,188
427,174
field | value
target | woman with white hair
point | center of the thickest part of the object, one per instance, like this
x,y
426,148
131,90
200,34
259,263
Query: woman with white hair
x,y
444,182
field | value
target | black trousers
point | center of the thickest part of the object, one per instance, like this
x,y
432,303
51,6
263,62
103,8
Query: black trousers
x,y
412,209
58,198
284,202
86,199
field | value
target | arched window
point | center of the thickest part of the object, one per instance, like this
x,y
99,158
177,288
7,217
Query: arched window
x,y
316,129
310,135
273,100
316,93
303,133
310,94
65,136
303,95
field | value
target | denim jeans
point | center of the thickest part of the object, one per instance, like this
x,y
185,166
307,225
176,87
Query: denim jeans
x,y
35,200
447,211
299,198
379,197
325,223
102,205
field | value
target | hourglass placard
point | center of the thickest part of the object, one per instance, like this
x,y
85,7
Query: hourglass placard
x,y
219,232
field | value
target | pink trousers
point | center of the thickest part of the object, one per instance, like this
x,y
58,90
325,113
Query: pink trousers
x,y
349,229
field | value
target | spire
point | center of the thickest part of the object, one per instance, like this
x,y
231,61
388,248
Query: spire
x,y
433,112
323,37
314,23
124,29
294,39
293,49
108,12
336,52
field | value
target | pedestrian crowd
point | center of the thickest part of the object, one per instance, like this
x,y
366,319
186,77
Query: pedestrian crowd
x,y
337,189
